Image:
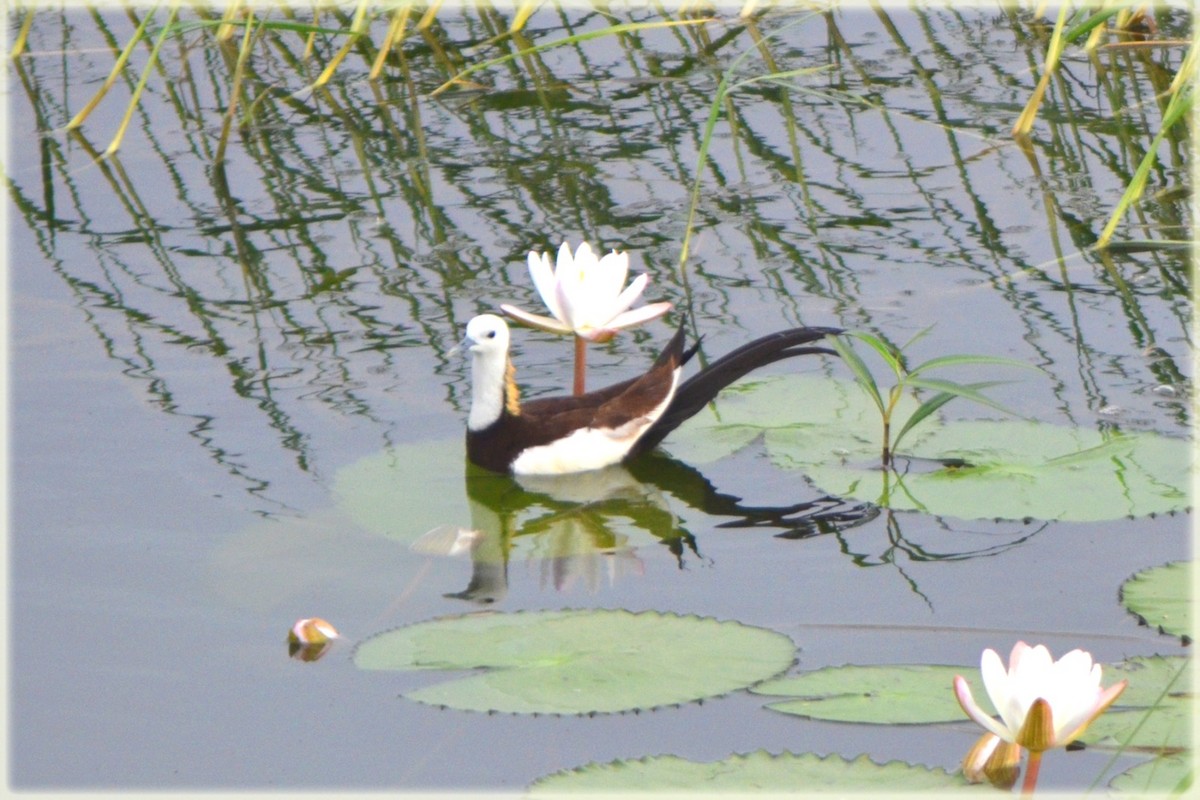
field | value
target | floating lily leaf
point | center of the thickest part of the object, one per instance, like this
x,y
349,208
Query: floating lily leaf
x,y
1155,710
1011,469
885,695
1162,597
579,662
753,772
1165,728
420,493
818,419
1161,776
407,490
1149,677
1017,469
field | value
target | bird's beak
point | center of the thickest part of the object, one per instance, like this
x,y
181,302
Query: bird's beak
x,y
466,344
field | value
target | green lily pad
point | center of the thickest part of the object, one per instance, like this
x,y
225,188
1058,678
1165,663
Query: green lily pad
x,y
414,492
902,694
1162,597
1165,728
818,419
1019,469
1014,469
579,662
1149,677
753,772
1163,776
406,490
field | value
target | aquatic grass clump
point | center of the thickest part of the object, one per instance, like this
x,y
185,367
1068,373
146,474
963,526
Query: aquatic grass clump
x,y
1089,26
914,378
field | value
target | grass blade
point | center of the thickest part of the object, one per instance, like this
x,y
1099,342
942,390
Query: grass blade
x,y
138,34
1024,123
968,390
859,368
959,360
883,349
613,30
1179,107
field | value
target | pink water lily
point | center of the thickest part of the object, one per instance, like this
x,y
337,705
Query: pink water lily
x,y
586,295
1043,703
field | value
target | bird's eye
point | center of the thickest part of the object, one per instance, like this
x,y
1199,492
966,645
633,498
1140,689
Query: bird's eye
x,y
491,334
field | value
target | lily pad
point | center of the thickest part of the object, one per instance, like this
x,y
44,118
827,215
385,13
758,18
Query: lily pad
x,y
1162,597
818,419
1173,776
753,772
417,492
406,490
1009,469
1165,728
1149,678
902,694
579,662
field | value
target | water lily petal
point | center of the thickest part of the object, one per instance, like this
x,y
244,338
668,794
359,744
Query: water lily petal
x,y
625,299
977,756
1037,733
312,630
544,282
609,276
574,297
1027,681
536,320
639,315
1073,729
993,760
630,318
962,691
1073,688
999,685
1003,766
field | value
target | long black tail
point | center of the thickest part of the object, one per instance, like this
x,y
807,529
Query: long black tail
x,y
699,390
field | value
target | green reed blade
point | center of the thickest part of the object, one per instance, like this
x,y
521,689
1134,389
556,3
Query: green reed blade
x,y
115,144
18,46
613,30
524,11
885,352
1179,107
118,67
861,373
959,360
1024,123
235,93
969,391
395,33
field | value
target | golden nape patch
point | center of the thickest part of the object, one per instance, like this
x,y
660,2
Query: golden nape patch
x,y
512,394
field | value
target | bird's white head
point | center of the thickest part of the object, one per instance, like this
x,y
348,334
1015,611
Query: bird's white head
x,y
488,334
492,388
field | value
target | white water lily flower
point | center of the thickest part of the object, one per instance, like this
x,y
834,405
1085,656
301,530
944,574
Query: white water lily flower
x,y
1043,703
585,295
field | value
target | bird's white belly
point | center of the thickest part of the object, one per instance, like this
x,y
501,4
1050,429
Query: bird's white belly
x,y
589,448
583,450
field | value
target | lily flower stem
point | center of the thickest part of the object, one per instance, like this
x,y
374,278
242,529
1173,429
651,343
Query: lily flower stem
x,y
580,363
1031,773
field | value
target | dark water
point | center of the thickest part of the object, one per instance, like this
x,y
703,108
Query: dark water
x,y
198,353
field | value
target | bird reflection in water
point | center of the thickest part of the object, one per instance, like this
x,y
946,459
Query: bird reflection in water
x,y
589,527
